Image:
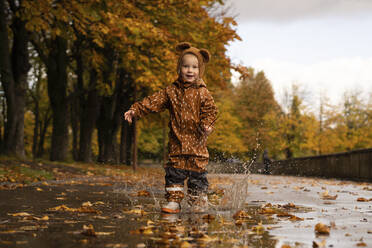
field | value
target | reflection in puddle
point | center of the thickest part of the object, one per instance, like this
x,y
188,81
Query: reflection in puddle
x,y
247,227
229,222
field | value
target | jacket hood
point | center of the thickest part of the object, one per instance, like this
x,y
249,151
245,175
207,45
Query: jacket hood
x,y
202,55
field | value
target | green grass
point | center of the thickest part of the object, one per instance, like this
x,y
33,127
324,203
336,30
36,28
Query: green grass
x,y
36,173
16,172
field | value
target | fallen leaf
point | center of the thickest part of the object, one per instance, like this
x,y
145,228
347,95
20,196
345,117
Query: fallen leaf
x,y
285,246
326,196
295,218
239,222
361,244
134,232
100,217
88,230
104,233
23,242
322,229
9,231
177,229
258,229
283,214
136,211
28,228
241,214
206,239
87,204
38,189
267,211
70,221
116,245
362,199
185,244
22,214
46,217
319,244
79,210
289,205
148,231
141,193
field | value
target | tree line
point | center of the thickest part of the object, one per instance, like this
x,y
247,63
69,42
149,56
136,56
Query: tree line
x,y
73,67
69,69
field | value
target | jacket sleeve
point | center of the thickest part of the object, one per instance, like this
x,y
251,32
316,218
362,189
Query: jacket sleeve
x,y
152,104
208,109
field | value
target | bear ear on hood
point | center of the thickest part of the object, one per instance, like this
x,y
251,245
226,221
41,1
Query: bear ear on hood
x,y
206,55
183,46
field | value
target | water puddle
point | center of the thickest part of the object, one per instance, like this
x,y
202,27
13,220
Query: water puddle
x,y
233,219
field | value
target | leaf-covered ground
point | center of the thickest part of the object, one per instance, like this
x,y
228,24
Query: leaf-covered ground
x,y
83,205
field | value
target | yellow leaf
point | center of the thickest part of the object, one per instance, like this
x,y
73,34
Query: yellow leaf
x,y
320,228
28,228
87,204
185,244
22,214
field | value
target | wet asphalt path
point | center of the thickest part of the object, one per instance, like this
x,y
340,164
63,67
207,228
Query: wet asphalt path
x,y
123,217
342,205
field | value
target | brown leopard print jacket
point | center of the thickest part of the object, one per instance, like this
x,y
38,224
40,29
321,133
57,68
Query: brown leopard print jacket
x,y
191,108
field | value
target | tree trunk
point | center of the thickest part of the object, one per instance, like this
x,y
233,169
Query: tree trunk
x,y
43,130
36,129
75,123
126,133
57,91
109,121
123,142
3,113
129,145
135,149
89,114
108,125
13,71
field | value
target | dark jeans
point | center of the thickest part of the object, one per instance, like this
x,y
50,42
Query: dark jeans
x,y
197,181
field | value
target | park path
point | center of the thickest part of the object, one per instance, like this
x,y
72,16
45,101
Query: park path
x,y
248,211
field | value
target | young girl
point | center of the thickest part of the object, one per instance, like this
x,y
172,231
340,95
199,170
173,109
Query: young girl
x,y
192,115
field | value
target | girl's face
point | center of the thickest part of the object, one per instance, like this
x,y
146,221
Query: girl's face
x,y
190,68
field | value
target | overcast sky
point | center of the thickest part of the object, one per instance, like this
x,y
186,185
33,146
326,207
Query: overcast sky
x,y
323,45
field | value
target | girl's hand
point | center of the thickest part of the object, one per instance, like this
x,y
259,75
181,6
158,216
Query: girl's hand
x,y
129,115
208,130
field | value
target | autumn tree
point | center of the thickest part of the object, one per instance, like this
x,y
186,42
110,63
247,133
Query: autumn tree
x,y
226,140
352,124
38,104
255,101
14,66
95,55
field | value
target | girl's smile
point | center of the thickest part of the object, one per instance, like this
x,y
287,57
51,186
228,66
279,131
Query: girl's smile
x,y
190,68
